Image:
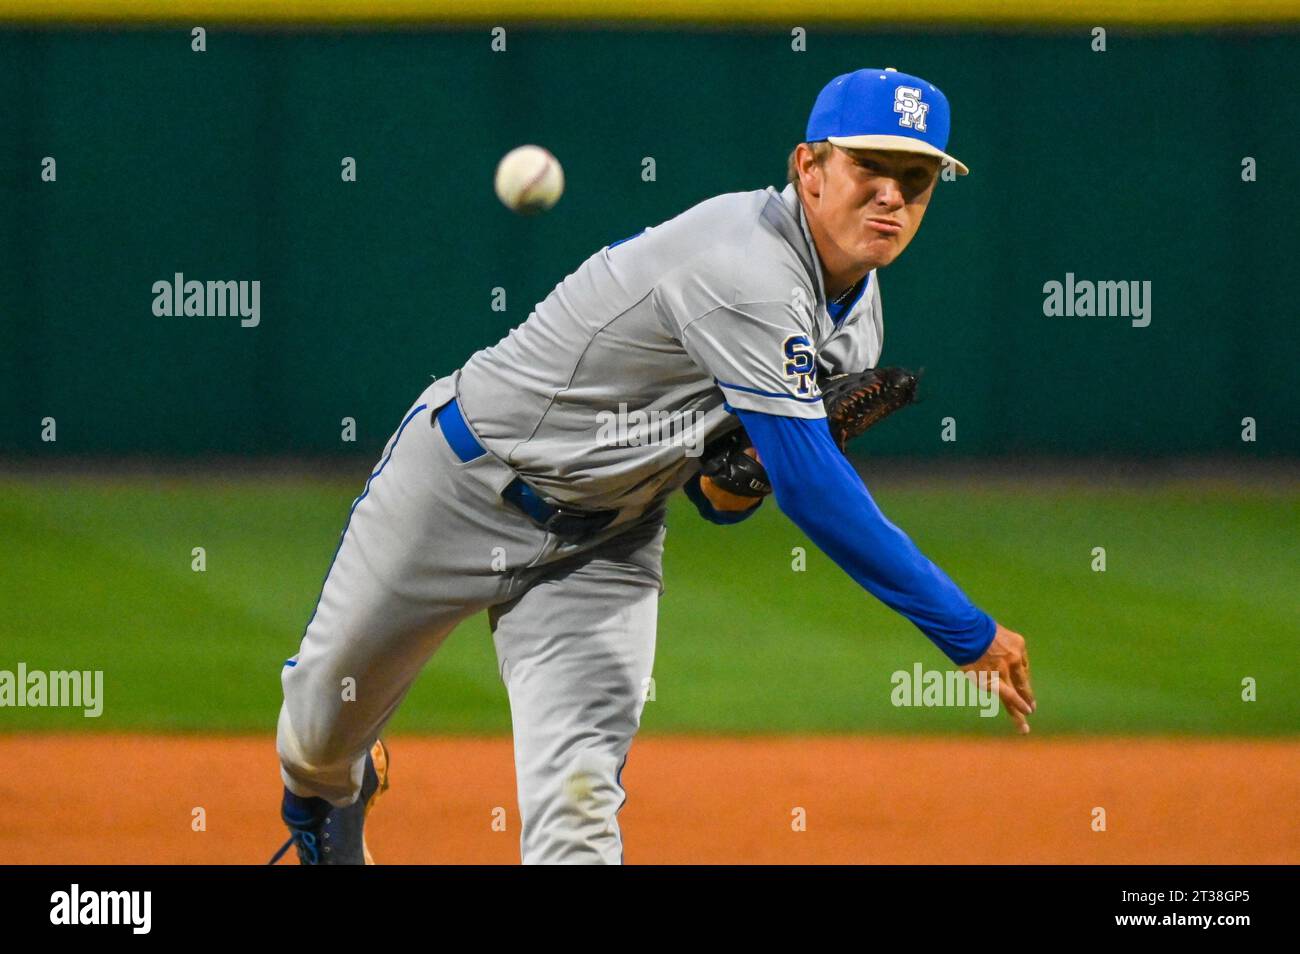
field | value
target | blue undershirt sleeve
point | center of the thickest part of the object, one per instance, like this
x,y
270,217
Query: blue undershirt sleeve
x,y
818,489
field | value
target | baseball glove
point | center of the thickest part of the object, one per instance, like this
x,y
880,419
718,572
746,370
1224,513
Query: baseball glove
x,y
853,402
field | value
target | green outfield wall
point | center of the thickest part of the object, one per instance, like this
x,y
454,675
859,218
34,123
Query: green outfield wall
x,y
1167,159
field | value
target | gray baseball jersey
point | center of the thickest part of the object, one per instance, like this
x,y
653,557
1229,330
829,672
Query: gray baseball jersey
x,y
609,389
600,398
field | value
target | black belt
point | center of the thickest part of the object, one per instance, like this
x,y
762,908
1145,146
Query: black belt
x,y
562,521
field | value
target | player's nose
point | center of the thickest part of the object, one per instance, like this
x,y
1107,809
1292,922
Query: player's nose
x,y
889,193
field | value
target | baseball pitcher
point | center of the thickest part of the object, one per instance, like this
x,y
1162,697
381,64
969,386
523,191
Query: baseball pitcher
x,y
729,353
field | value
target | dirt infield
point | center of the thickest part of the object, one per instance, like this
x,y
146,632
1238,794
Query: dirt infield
x,y
131,799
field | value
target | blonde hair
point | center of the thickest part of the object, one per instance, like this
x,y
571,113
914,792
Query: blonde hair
x,y
820,149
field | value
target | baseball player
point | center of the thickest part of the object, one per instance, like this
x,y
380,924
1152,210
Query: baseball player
x,y
532,483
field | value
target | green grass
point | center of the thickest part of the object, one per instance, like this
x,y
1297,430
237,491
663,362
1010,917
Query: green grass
x,y
1200,591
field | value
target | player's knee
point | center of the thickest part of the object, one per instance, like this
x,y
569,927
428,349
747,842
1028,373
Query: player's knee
x,y
589,789
579,792
574,820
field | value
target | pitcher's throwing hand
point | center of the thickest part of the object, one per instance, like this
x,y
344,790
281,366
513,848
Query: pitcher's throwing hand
x,y
1008,657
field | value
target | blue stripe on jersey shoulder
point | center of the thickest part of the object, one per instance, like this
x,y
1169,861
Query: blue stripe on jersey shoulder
x,y
628,239
771,394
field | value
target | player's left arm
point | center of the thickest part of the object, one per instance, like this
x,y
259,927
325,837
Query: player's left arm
x,y
816,486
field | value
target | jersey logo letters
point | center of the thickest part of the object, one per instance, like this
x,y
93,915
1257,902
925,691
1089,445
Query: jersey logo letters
x,y
800,362
907,102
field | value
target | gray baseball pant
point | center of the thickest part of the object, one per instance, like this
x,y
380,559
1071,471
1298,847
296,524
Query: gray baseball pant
x,y
429,543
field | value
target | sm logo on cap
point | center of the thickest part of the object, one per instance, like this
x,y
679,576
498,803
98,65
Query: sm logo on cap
x,y
907,101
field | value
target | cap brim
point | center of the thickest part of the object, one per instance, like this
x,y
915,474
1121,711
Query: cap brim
x,y
897,144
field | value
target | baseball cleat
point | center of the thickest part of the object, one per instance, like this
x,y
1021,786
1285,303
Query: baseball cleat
x,y
325,835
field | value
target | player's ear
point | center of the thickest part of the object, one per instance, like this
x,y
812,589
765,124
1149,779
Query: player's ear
x,y
810,170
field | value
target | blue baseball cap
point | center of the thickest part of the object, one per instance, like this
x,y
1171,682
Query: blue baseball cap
x,y
883,109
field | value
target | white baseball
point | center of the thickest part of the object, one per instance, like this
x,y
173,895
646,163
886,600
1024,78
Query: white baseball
x,y
529,179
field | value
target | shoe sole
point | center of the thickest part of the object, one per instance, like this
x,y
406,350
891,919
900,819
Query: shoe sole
x,y
378,755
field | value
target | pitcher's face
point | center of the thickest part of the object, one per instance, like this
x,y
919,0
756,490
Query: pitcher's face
x,y
869,202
